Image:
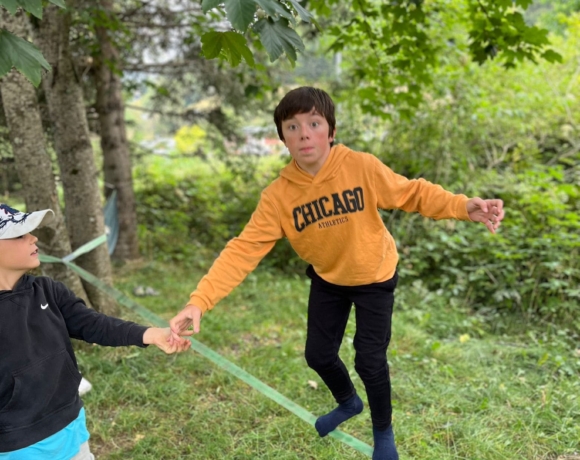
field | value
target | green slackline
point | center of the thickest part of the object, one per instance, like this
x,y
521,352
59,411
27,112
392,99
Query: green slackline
x,y
206,351
82,250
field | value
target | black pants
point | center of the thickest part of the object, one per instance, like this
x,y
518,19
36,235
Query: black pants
x,y
329,307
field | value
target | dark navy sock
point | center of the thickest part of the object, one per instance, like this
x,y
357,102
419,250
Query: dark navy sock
x,y
343,412
384,444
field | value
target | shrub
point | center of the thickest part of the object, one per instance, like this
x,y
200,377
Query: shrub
x,y
530,265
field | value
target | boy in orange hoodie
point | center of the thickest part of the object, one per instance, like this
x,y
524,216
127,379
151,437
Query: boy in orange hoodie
x,y
326,203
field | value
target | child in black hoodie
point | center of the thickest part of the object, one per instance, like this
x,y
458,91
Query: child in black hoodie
x,y
41,413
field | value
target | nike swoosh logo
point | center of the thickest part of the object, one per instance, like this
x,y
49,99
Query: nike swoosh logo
x,y
44,307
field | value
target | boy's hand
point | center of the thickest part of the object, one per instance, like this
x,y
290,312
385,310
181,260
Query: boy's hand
x,y
181,323
162,338
488,212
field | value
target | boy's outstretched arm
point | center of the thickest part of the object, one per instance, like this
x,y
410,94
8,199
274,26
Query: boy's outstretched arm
x,y
180,323
162,338
488,212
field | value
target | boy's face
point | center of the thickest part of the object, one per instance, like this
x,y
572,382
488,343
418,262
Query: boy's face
x,y
307,138
19,254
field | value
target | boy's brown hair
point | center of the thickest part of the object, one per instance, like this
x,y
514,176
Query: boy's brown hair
x,y
303,100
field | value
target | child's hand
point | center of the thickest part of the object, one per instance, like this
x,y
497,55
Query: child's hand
x,y
161,337
488,212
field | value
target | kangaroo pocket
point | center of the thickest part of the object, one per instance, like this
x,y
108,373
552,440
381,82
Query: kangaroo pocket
x,y
40,389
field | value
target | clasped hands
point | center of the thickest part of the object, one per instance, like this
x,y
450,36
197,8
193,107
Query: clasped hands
x,y
163,339
186,322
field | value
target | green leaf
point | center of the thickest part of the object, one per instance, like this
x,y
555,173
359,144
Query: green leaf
x,y
303,13
10,5
211,44
33,7
240,13
228,45
207,5
60,3
278,38
552,56
274,8
391,50
235,47
17,52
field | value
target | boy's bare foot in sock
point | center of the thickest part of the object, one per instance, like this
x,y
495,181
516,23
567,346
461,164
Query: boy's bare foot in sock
x,y
384,444
343,412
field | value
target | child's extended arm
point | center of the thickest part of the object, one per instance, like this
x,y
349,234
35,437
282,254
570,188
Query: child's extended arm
x,y
432,200
240,256
86,324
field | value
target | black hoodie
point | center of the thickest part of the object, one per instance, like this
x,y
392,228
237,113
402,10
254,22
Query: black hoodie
x,y
39,376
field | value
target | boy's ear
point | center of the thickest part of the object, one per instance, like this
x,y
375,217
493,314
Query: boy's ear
x,y
332,136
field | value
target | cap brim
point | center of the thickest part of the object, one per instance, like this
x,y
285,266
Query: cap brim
x,y
33,221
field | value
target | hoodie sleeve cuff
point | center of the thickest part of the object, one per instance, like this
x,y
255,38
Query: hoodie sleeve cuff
x,y
198,301
462,213
135,336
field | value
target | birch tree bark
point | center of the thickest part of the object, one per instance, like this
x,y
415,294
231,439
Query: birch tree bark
x,y
116,154
83,206
33,164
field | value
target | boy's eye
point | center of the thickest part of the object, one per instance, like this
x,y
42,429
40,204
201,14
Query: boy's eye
x,y
315,124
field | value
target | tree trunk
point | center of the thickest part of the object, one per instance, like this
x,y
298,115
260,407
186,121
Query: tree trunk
x,y
116,153
32,161
83,207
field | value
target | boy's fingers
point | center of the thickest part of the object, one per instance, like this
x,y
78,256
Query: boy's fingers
x,y
179,322
196,322
183,336
480,203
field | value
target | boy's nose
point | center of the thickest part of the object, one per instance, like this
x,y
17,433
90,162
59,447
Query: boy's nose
x,y
34,239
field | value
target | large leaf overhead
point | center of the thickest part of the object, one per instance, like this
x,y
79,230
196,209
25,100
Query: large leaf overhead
x,y
240,13
229,45
275,9
278,38
303,13
33,7
207,5
17,52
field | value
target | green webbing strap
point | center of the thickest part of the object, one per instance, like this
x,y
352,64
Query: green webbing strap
x,y
213,356
83,249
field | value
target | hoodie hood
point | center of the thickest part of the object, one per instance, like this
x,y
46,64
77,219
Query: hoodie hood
x,y
23,283
329,170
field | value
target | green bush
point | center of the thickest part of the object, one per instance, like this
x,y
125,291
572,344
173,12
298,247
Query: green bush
x,y
181,215
530,265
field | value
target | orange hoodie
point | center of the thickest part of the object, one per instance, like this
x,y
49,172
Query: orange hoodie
x,y
332,222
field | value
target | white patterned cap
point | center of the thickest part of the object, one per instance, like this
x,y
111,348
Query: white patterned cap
x,y
14,223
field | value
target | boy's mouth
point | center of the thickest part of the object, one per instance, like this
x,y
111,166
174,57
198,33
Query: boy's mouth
x,y
35,252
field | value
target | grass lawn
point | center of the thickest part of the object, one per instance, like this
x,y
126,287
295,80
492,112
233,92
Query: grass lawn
x,y
465,386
